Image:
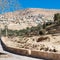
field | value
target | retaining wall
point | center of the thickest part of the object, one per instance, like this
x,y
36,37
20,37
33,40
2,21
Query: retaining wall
x,y
47,55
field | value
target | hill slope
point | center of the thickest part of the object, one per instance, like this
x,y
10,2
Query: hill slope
x,y
27,17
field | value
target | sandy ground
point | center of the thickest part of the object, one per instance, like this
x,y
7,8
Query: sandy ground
x,y
46,43
10,56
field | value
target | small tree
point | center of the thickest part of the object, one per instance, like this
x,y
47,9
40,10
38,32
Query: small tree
x,y
57,18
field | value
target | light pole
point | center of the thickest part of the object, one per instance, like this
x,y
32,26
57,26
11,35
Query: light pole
x,y
6,30
6,27
0,31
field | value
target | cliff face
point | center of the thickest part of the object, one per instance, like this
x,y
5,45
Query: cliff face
x,y
28,17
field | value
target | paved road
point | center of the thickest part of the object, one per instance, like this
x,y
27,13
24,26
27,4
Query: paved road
x,y
16,57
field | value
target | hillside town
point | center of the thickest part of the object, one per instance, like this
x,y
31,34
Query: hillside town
x,y
26,18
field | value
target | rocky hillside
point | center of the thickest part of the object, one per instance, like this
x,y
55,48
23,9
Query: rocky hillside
x,y
27,17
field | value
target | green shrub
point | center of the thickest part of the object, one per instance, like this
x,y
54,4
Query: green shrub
x,y
25,32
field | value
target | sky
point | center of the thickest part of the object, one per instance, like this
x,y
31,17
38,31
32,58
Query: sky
x,y
49,4
12,5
